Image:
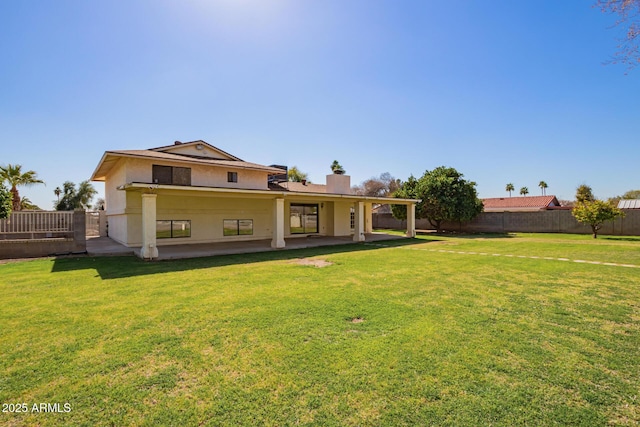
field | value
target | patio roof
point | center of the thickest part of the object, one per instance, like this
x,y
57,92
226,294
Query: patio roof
x,y
236,192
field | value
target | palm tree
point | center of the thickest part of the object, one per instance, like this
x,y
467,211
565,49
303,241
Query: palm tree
x,y
543,186
27,205
296,175
57,192
524,191
12,174
510,188
337,168
73,198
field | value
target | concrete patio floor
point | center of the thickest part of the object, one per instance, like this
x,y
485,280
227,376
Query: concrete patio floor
x,y
104,246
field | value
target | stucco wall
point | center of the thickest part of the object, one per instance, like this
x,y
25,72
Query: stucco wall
x,y
141,170
342,218
115,199
207,215
551,221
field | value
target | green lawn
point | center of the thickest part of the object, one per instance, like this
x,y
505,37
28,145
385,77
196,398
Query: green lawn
x,y
427,331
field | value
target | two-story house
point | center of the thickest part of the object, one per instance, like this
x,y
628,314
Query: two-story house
x,y
193,192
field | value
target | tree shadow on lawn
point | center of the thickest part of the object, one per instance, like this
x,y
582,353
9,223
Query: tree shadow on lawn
x,y
130,266
433,235
625,239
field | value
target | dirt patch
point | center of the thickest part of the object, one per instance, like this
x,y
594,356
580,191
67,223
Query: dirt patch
x,y
357,320
313,262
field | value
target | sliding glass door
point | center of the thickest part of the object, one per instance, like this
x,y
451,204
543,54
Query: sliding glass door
x,y
303,218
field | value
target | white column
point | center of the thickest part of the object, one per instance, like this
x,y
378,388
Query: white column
x,y
277,242
411,220
358,232
149,249
368,218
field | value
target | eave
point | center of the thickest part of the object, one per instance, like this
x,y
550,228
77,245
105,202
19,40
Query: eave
x,y
270,194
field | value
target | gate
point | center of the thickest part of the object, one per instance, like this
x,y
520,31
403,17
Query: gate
x,y
92,223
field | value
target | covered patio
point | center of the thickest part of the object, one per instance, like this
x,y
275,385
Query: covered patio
x,y
269,214
104,246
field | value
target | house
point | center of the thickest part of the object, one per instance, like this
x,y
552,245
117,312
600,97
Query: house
x,y
629,204
193,192
520,204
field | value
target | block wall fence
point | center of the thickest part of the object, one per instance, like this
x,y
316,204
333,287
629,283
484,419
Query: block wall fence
x,y
545,221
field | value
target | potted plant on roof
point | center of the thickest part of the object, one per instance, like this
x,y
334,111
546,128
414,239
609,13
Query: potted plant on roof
x,y
337,168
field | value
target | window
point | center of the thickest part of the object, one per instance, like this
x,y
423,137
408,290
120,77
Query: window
x,y
303,219
352,219
171,175
237,227
171,229
232,176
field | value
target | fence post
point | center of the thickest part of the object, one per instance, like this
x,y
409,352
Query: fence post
x,y
102,224
79,231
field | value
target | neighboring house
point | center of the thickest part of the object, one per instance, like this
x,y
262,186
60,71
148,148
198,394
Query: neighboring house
x,y
629,204
520,204
193,192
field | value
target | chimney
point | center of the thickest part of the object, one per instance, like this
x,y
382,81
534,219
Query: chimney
x,y
177,143
338,184
304,182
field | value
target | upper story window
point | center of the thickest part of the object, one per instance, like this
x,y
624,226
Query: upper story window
x,y
171,175
232,176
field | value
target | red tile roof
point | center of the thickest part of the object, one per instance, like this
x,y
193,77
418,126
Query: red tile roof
x,y
520,203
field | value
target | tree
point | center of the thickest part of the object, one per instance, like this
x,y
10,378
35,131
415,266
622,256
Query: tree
x,y
383,186
631,194
510,188
444,195
296,175
407,190
628,12
595,213
100,204
337,168
27,205
73,198
543,186
5,202
584,193
13,175
57,192
524,191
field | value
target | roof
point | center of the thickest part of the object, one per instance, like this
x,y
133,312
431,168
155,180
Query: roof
x,y
629,204
180,146
298,187
522,203
222,191
110,158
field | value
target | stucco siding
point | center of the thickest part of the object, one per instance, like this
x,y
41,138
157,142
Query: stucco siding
x,y
207,217
114,198
118,228
342,218
141,170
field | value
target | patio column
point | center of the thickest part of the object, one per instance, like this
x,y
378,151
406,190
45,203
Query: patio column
x,y
277,242
149,249
358,229
411,220
368,218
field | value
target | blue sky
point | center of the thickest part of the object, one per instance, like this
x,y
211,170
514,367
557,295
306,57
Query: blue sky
x,y
504,91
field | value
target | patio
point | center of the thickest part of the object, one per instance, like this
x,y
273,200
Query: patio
x,y
104,246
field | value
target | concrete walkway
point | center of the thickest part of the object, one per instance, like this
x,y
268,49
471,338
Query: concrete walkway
x,y
104,246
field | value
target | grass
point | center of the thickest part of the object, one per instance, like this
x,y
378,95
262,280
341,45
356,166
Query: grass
x,y
397,335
